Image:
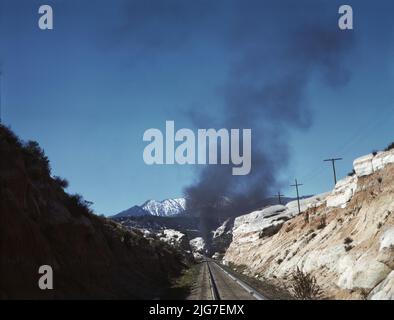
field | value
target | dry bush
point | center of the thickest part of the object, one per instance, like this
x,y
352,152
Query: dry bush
x,y
322,223
304,286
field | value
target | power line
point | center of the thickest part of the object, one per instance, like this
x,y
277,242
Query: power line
x,y
296,185
352,140
365,129
332,160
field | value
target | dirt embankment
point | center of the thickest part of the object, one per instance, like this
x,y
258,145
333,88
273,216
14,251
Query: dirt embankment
x,y
91,257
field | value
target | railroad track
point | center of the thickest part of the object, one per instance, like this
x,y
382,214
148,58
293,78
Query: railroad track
x,y
225,286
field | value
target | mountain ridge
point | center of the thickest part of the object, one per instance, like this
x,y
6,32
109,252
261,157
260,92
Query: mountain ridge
x,y
165,208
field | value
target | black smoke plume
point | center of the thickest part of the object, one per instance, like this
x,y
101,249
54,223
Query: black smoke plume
x,y
266,91
276,48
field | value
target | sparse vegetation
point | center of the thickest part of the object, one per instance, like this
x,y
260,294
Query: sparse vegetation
x,y
127,239
312,235
9,137
390,147
348,244
62,183
306,217
182,286
77,205
351,173
364,293
36,161
348,247
289,227
348,240
304,286
322,223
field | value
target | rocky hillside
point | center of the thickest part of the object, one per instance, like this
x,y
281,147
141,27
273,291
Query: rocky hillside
x,y
91,257
345,238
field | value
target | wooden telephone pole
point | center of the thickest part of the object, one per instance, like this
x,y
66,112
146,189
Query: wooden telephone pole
x,y
296,185
280,197
332,160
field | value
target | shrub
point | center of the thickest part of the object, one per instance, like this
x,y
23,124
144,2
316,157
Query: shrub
x,y
364,294
374,152
36,157
348,247
127,239
348,240
306,218
62,183
77,205
322,222
389,147
351,173
7,135
312,235
304,286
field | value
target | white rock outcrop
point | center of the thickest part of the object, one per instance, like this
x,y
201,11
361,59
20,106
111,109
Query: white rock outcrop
x,y
175,238
364,273
384,291
343,192
363,165
386,250
268,221
387,240
198,245
351,253
371,163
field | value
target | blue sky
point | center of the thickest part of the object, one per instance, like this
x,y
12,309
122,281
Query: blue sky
x,y
87,90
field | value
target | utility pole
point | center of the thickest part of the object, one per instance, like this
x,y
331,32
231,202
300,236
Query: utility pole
x,y
296,185
280,197
333,167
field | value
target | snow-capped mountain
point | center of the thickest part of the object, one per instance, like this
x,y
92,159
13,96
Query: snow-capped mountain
x,y
165,208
